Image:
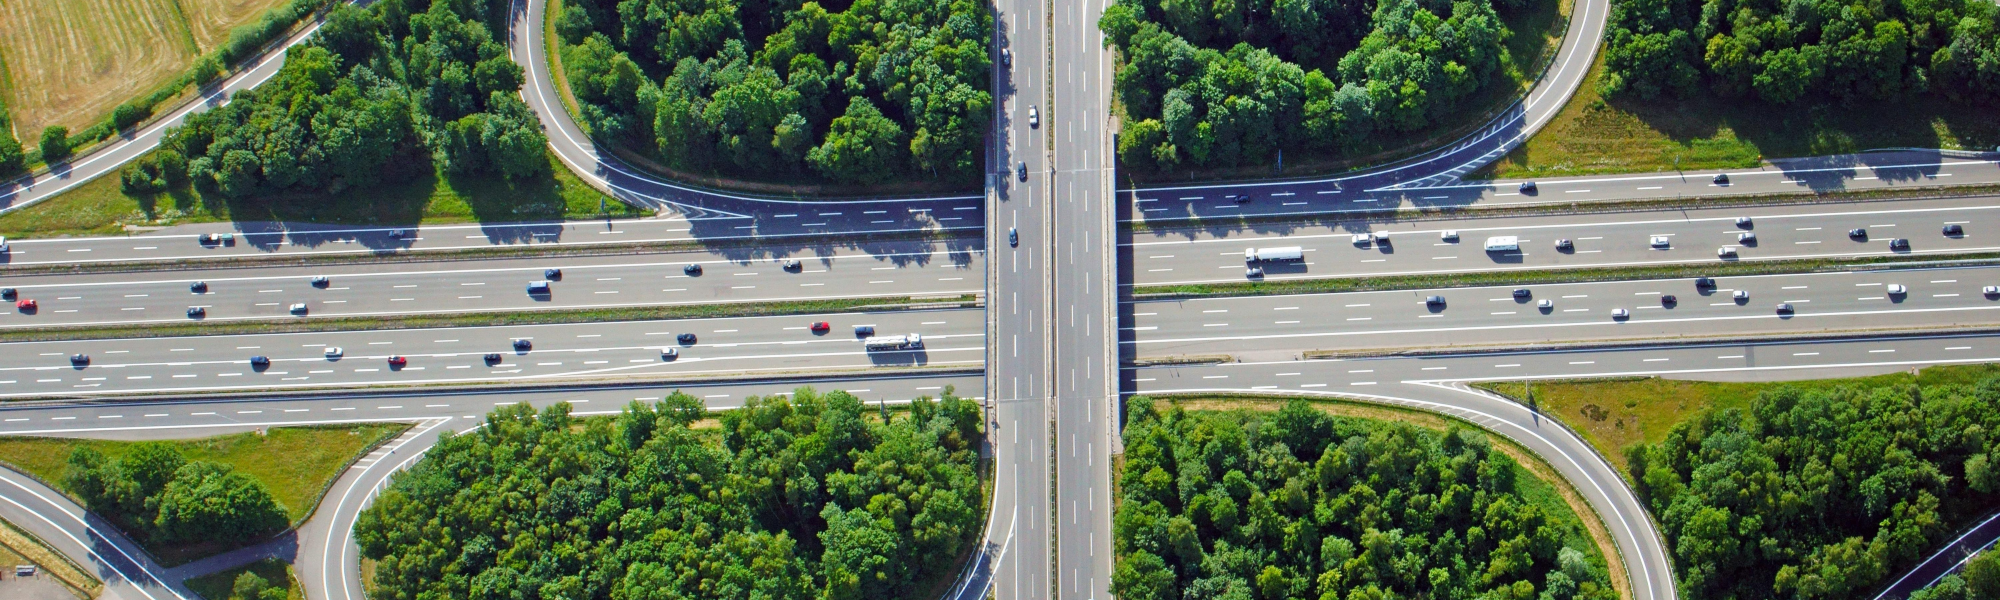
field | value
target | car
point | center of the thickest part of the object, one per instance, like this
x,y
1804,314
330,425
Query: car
x,y
1034,117
821,326
1991,290
670,353
1721,179
196,312
198,287
1021,170
217,238
1725,252
1704,282
3,244
1013,237
27,304
864,330
299,309
691,270
538,288
1746,238
1449,235
492,357
523,344
1006,58
1743,222
552,274
1619,313
1784,308
260,361
794,265
1858,232
1434,300
1661,241
397,361
1954,230
1669,300
79,359
1522,293
1546,303
320,281
1565,244
1899,244
1382,238
1528,187
1741,295
685,338
8,293
1253,272
1897,289
398,233
333,352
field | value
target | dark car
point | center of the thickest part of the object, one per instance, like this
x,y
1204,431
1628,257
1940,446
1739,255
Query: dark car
x,y
8,293
1858,233
1954,230
685,338
198,287
1434,300
260,361
794,265
1013,237
1704,282
321,281
1669,300
492,357
1021,170
1722,179
1240,198
1528,187
79,359
1784,308
1899,244
523,344
1522,293
691,270
196,312
551,274
398,361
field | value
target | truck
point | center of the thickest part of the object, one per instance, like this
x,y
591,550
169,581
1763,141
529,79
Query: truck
x,y
1503,243
1282,253
896,342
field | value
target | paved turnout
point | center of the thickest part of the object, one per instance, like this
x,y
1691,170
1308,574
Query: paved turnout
x,y
728,346
405,288
1610,240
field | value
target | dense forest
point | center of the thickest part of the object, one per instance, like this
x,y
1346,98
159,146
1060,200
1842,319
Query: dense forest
x,y
805,497
381,94
1299,504
1978,580
1804,50
759,89
1820,493
1228,82
155,493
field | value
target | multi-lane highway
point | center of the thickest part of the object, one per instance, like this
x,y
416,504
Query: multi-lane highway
x,y
728,347
223,293
1608,240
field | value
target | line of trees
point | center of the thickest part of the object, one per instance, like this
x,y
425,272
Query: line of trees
x,y
1820,493
1298,504
884,89
1978,580
1227,82
1786,52
806,497
399,89
156,493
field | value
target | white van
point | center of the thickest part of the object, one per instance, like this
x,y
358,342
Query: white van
x,y
1503,243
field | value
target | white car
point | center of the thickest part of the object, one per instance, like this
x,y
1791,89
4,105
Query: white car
x,y
1546,303
1661,241
299,309
1449,235
1746,238
1253,272
1381,237
1742,221
1362,238
1898,289
1619,313
1991,290
3,243
333,352
1741,295
1034,117
1725,252
670,353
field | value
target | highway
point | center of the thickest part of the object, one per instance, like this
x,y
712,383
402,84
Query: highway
x,y
1603,240
733,347
1286,327
392,288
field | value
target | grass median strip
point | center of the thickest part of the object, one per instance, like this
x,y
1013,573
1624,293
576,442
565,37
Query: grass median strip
x,y
487,319
1548,276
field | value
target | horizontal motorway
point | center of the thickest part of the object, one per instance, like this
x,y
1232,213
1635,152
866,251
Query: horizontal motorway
x,y
1356,194
1269,327
738,347
1213,255
404,288
772,224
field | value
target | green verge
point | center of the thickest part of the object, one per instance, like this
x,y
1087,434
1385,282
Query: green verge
x,y
1592,135
1544,487
482,319
219,585
1617,414
101,206
295,463
1535,276
19,547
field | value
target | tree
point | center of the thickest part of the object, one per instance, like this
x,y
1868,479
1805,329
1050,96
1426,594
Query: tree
x,y
55,144
861,146
11,159
211,501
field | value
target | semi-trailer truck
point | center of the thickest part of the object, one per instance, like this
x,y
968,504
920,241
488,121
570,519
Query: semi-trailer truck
x,y
1284,253
896,342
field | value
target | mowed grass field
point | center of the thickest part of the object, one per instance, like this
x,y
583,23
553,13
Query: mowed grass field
x,y
69,62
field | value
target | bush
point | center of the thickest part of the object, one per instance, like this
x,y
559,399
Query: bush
x,y
55,144
12,161
154,492
127,115
207,69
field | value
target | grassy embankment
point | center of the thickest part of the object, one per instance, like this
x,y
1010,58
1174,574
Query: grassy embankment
x,y
18,547
295,463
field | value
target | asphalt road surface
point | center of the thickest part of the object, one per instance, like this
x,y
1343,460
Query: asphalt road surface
x,y
1609,240
770,346
495,285
1947,560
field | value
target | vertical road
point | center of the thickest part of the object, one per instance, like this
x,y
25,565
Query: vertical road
x,y
1083,279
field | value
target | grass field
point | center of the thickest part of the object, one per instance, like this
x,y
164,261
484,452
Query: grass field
x,y
1704,132
218,586
210,21
100,207
18,547
1616,414
295,463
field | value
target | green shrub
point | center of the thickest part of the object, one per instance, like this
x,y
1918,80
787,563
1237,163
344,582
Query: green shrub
x,y
55,144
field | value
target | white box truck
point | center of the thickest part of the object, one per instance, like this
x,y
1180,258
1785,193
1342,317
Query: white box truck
x,y
896,342
1284,253
1503,243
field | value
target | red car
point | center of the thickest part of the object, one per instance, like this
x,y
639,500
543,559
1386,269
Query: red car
x,y
26,305
821,326
397,361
